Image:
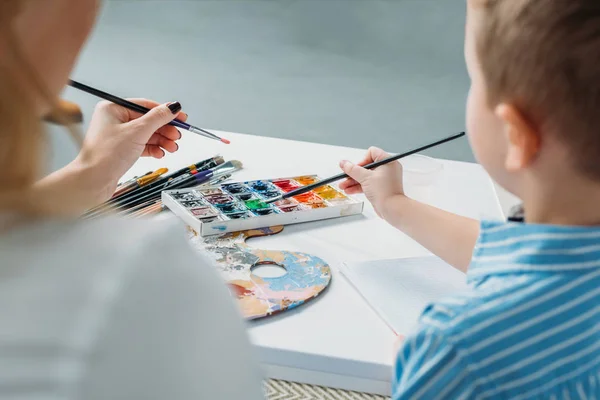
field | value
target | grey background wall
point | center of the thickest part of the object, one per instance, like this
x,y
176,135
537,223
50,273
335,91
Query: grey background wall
x,y
345,72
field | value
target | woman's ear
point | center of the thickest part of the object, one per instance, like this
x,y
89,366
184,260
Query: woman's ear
x,y
522,137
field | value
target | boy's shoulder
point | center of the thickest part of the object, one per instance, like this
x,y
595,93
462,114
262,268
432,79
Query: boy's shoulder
x,y
528,325
496,335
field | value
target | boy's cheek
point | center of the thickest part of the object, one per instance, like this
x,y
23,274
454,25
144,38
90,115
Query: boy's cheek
x,y
485,133
474,124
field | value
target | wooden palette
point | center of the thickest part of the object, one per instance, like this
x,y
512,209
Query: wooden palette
x,y
305,278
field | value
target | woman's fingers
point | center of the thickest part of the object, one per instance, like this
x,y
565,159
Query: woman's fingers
x,y
141,102
152,150
170,132
159,140
182,116
150,104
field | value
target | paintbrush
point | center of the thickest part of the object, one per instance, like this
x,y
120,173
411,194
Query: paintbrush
x,y
150,205
139,197
123,185
183,181
143,110
195,179
139,207
155,208
199,166
309,188
161,182
139,182
120,184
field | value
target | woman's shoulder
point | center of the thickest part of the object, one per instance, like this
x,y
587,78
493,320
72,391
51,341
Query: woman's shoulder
x,y
88,254
80,263
106,241
135,294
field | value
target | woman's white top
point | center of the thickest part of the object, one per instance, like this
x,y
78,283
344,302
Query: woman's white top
x,y
115,309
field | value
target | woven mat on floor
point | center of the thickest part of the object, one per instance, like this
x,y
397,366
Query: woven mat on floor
x,y
283,390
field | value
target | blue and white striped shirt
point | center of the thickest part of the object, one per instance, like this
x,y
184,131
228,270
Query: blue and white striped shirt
x,y
529,326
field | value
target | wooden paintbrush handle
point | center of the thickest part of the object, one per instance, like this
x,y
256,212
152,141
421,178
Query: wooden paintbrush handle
x,y
65,111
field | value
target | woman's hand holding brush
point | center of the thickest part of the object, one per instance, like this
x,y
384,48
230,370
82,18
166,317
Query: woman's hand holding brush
x,y
118,137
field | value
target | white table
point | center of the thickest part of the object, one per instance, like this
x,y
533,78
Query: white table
x,y
336,340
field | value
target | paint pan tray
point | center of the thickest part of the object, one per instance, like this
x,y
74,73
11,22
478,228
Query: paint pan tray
x,y
234,207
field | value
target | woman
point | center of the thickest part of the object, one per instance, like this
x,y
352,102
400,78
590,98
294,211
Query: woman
x,y
107,309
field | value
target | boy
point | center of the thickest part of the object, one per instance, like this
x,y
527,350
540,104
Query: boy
x,y
530,325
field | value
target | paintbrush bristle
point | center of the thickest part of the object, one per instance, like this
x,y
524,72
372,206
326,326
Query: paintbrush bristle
x,y
237,164
273,199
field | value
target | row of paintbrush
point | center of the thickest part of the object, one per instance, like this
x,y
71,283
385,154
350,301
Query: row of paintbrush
x,y
142,195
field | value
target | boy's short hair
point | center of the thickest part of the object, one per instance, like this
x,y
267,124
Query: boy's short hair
x,y
544,57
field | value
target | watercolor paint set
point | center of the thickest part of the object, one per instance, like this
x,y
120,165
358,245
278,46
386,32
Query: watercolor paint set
x,y
234,207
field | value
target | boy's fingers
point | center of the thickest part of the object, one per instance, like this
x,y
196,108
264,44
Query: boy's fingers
x,y
373,154
347,182
356,189
366,160
377,154
356,172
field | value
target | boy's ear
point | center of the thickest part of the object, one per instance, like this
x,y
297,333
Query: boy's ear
x,y
522,138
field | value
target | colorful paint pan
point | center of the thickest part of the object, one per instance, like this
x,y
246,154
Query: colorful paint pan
x,y
241,206
282,182
339,201
286,203
288,209
240,215
211,192
261,186
219,199
286,185
256,204
235,188
308,198
193,203
329,193
269,194
230,207
264,211
189,196
306,180
203,212
244,196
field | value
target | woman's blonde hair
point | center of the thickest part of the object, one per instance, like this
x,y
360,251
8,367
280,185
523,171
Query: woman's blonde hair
x,y
22,138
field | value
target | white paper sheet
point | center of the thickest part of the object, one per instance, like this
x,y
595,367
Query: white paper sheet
x,y
398,290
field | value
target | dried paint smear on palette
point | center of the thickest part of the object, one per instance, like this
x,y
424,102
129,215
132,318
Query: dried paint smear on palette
x,y
306,277
240,206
